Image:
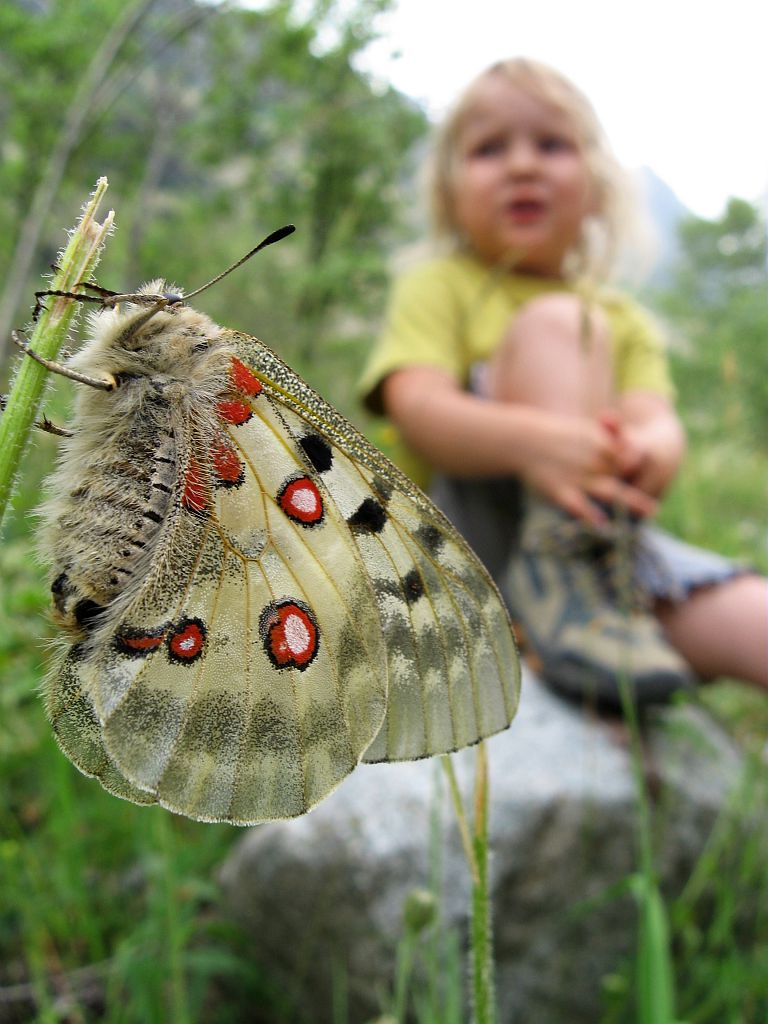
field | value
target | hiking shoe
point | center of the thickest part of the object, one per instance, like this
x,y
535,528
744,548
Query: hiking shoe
x,y
584,623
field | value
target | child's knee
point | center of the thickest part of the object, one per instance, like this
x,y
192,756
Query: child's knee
x,y
555,343
560,318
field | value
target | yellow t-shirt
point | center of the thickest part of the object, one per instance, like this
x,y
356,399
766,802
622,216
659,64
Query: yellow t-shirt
x,y
452,312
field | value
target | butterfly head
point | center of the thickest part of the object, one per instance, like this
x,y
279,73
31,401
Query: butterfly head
x,y
154,337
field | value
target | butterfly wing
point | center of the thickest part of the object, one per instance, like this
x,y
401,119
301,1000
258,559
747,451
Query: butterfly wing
x,y
305,606
454,675
79,734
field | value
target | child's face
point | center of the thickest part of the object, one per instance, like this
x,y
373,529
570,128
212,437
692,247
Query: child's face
x,y
521,187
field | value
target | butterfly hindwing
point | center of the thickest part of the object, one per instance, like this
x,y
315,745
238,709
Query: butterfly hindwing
x,y
79,734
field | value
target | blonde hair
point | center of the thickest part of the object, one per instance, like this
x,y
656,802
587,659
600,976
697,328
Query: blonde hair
x,y
603,234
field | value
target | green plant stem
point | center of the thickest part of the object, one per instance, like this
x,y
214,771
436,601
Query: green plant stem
x,y
475,843
461,818
655,976
404,969
174,938
76,264
655,971
482,935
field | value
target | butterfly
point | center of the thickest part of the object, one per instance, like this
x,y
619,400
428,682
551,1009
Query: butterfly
x,y
252,598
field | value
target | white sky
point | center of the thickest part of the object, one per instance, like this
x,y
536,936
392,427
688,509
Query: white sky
x,y
679,85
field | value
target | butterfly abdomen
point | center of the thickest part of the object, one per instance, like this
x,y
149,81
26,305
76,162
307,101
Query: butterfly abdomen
x,y
108,516
124,470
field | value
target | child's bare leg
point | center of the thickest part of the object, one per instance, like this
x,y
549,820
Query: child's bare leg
x,y
556,355
557,358
723,630
549,360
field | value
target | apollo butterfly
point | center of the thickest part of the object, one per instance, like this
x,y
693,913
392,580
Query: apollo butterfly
x,y
253,598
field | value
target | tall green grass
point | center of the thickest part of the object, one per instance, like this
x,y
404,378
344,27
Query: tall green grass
x,y
702,953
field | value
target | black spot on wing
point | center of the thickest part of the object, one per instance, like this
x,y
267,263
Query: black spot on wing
x,y
369,517
381,489
318,451
430,538
413,586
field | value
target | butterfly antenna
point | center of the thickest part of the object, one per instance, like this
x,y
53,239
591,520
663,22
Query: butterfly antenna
x,y
276,236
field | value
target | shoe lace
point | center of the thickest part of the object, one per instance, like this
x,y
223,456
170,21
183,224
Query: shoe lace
x,y
618,552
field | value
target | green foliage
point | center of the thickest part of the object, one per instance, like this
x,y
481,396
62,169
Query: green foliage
x,y
722,257
715,930
717,924
718,304
216,125
720,920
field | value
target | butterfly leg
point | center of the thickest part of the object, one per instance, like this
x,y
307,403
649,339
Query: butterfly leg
x,y
108,384
43,424
78,296
95,288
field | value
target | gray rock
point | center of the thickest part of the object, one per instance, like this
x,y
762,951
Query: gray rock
x,y
325,893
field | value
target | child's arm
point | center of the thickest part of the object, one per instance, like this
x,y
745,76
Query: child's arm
x,y
652,441
568,459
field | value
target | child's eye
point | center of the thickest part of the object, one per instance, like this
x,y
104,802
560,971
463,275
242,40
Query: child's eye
x,y
488,147
555,144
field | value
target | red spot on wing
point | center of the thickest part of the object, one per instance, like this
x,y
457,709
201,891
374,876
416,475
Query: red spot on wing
x,y
187,641
290,634
300,500
142,643
138,645
195,497
228,467
232,410
244,379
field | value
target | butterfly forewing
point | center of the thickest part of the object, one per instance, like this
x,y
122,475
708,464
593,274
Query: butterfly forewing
x,y
453,664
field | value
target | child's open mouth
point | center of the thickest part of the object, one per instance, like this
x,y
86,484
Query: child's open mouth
x,y
525,211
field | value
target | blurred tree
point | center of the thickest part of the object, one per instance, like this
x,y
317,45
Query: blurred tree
x,y
214,125
59,74
718,305
724,256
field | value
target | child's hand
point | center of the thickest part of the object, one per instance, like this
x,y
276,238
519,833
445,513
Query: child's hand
x,y
575,462
649,440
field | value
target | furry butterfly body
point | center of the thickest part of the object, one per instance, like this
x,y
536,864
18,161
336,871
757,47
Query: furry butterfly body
x,y
253,599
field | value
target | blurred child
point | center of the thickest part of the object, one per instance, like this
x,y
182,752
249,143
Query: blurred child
x,y
543,402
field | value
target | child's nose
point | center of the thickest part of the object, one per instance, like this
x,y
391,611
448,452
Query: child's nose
x,y
521,157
